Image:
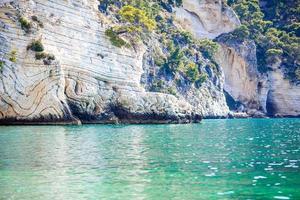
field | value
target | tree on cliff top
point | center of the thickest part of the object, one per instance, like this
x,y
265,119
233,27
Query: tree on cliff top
x,y
135,22
136,19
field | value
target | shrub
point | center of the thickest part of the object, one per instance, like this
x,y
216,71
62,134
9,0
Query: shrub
x,y
1,64
13,56
172,90
25,24
192,72
274,52
241,33
137,18
186,37
114,38
202,78
157,85
36,46
275,30
42,55
159,61
175,60
47,58
135,23
208,48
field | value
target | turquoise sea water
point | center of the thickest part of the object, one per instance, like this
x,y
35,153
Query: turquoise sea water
x,y
218,159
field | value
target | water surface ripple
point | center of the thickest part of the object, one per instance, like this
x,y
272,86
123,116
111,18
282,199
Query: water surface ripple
x,y
218,159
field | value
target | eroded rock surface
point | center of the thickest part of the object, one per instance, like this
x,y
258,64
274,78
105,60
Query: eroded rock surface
x,y
238,61
89,81
283,97
258,94
206,18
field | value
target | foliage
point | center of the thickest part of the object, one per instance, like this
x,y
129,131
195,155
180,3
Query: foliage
x,y
180,55
25,24
114,38
274,28
208,48
172,90
241,33
174,61
135,22
36,46
13,56
137,19
192,72
42,55
274,52
157,86
202,78
1,65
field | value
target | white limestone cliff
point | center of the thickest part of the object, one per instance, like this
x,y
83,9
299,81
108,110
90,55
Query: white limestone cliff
x,y
89,81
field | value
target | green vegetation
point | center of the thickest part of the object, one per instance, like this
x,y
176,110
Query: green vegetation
x,y
171,90
192,71
25,24
135,23
13,56
160,86
1,65
185,54
208,48
42,55
202,78
137,18
36,46
275,30
114,38
179,55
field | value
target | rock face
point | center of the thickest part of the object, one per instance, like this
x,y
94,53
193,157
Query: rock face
x,y
238,60
258,94
206,18
283,97
89,80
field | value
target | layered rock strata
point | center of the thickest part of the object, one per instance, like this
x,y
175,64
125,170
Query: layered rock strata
x,y
90,81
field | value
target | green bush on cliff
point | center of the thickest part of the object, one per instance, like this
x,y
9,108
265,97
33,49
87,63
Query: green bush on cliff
x,y
172,90
134,23
174,61
202,78
241,33
36,46
114,38
274,52
25,24
1,65
42,55
208,48
137,19
13,56
192,72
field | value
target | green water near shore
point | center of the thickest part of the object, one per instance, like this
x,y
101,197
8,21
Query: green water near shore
x,y
218,159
